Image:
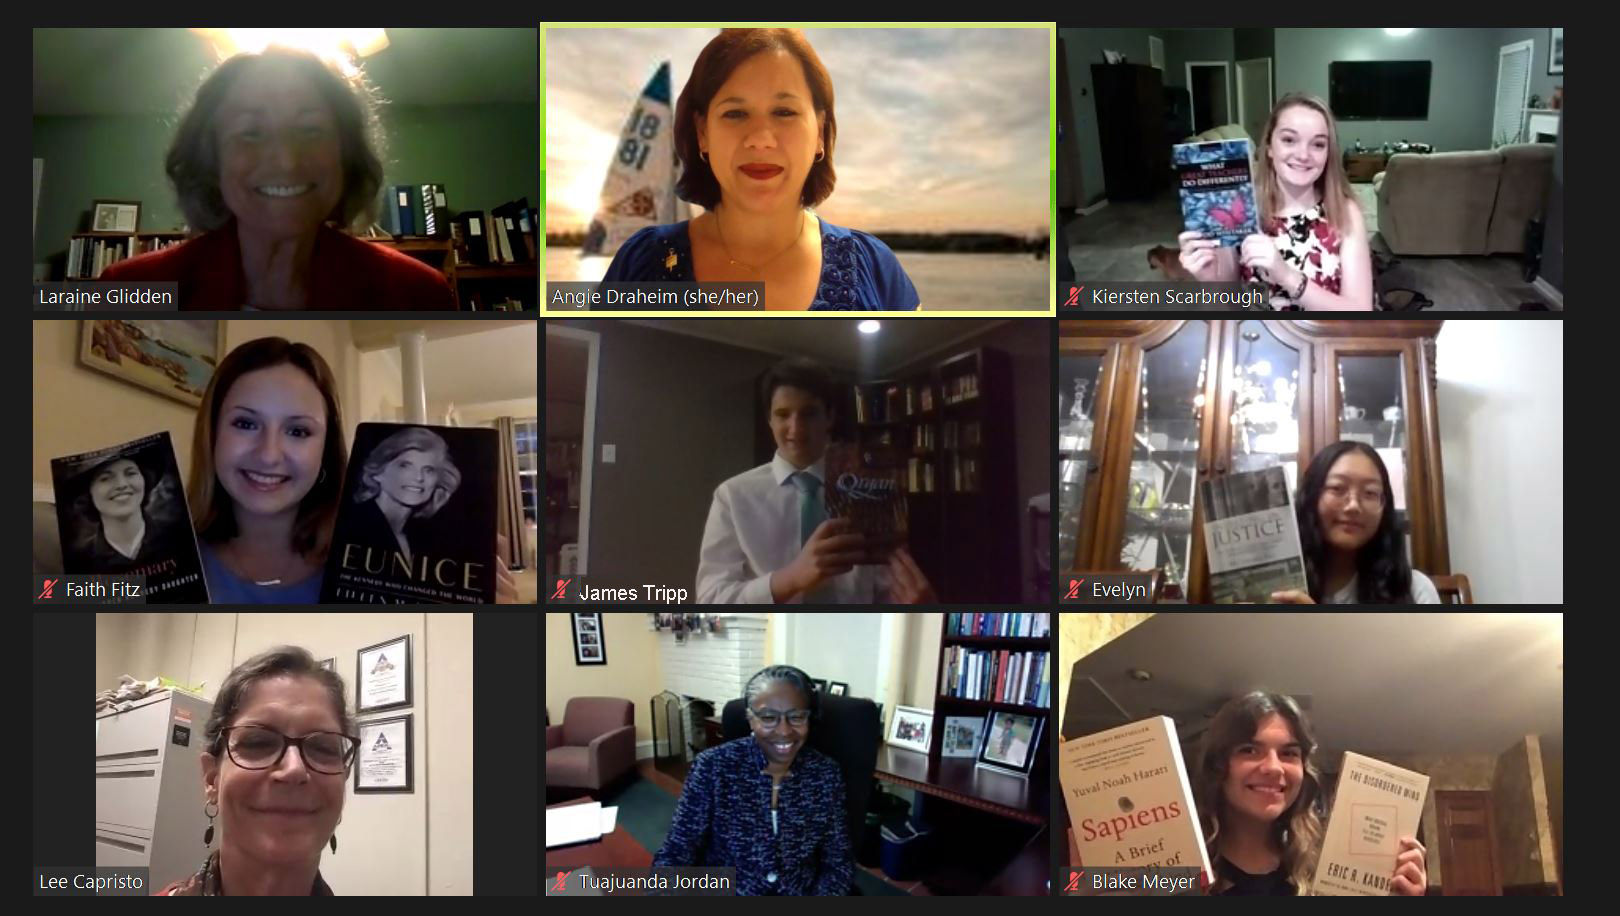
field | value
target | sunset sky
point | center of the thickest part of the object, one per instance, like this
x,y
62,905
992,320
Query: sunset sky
x,y
938,129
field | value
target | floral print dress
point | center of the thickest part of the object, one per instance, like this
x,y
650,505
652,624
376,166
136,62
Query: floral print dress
x,y
1310,243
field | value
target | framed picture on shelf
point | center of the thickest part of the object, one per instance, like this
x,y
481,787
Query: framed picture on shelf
x,y
819,685
962,736
115,216
1010,742
911,728
837,689
589,648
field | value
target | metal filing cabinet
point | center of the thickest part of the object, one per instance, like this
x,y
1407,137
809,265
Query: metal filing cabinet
x,y
149,790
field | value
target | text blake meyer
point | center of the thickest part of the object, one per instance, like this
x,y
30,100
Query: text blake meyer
x,y
655,593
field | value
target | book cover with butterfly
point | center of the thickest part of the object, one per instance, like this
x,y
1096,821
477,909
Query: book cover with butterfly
x,y
1217,189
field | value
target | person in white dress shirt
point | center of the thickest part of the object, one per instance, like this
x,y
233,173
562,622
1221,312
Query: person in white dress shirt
x,y
768,540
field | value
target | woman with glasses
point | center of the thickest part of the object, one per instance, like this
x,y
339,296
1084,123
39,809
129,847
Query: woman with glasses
x,y
1354,551
278,746
767,805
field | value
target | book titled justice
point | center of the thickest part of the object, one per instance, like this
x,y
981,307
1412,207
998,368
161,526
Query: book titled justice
x,y
416,520
1376,804
1252,537
1129,799
122,510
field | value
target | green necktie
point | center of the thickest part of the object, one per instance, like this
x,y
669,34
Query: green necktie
x,y
811,511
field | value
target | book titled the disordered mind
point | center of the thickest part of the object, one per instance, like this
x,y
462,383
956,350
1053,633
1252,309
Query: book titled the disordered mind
x,y
1129,799
122,511
416,521
1252,537
1376,804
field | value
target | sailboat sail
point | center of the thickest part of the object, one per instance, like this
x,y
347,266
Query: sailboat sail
x,y
640,187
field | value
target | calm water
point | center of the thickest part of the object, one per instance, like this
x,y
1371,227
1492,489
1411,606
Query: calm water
x,y
944,281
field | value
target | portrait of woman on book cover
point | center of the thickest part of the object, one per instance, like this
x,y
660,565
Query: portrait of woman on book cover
x,y
125,513
404,482
1258,790
1312,250
767,805
1353,547
755,134
277,155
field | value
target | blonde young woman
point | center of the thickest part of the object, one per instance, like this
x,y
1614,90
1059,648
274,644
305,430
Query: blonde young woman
x,y
1311,250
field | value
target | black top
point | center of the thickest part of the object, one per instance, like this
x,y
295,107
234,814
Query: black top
x,y
1243,884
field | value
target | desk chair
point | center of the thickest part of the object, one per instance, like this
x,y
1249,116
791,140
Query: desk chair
x,y
848,733
1453,589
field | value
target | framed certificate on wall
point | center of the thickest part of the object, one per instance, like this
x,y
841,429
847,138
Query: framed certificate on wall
x,y
382,677
384,760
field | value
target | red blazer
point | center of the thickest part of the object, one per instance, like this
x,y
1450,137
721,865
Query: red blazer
x,y
345,273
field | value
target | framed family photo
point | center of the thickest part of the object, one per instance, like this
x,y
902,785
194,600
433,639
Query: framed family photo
x,y
911,728
589,649
1010,743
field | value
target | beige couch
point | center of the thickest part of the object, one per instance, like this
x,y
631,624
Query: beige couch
x,y
1463,203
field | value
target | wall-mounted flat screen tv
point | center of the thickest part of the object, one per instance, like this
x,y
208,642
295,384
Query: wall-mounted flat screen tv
x,y
1379,90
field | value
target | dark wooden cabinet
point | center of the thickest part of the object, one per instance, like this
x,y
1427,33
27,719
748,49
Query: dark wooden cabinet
x,y
1163,404
1129,100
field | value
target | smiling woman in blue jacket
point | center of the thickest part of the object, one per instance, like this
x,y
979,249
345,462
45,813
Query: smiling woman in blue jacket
x,y
767,805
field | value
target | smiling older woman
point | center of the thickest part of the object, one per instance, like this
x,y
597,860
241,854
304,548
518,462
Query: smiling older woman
x,y
279,746
275,157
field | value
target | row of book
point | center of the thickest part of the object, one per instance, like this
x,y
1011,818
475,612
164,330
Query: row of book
x,y
961,388
416,209
996,675
1029,626
504,235
88,256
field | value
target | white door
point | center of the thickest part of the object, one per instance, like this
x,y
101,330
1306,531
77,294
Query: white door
x,y
1512,92
1254,96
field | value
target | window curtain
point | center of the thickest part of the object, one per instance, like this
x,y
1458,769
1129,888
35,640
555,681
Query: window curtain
x,y
509,501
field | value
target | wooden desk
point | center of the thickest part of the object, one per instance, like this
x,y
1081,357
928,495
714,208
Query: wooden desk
x,y
614,850
957,779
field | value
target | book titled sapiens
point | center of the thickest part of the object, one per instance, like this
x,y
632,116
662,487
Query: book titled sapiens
x,y
1217,189
1252,537
870,492
416,520
122,510
1375,804
1129,799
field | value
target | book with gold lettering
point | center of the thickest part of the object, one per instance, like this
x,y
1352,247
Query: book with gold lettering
x,y
1252,537
866,485
1375,804
416,521
1129,799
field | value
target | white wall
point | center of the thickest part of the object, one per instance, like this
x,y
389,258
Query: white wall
x,y
390,844
1501,401
836,647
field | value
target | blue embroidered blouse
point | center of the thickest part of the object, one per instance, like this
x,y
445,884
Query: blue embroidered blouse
x,y
858,271
724,819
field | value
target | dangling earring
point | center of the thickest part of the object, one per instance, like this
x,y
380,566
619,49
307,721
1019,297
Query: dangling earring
x,y
334,843
704,155
208,835
821,155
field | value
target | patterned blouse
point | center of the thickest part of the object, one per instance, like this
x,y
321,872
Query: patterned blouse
x,y
1310,243
724,819
206,882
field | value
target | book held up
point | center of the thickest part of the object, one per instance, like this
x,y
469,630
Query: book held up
x,y
1252,537
1376,804
1217,190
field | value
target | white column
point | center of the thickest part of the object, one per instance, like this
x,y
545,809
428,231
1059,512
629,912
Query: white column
x,y
413,384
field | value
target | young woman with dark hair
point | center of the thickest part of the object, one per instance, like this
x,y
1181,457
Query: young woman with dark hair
x,y
1354,550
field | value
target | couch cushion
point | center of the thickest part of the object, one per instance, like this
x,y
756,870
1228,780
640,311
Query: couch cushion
x,y
588,718
1438,204
1521,194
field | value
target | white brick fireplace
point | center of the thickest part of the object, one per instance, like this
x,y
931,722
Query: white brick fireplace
x,y
714,667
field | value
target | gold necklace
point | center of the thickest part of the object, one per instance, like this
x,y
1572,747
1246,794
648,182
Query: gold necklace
x,y
766,263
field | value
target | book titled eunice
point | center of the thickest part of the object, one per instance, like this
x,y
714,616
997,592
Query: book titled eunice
x,y
1129,799
416,521
1252,537
1375,805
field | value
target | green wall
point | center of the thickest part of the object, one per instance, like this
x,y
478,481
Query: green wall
x,y
484,155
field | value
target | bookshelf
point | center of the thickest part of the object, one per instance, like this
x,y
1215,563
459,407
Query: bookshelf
x,y
476,286
90,253
951,681
948,429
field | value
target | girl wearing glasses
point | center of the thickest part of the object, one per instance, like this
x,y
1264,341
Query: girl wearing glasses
x,y
1354,551
279,744
767,805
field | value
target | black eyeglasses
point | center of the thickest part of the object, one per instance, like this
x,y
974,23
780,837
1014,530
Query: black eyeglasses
x,y
769,717
254,747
